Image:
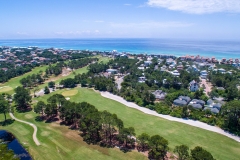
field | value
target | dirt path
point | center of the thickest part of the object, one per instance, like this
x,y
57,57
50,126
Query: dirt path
x,y
189,122
208,86
34,127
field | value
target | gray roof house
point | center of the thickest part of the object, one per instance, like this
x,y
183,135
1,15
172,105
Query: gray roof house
x,y
159,94
182,101
210,102
185,98
217,105
196,101
196,106
193,86
179,102
213,110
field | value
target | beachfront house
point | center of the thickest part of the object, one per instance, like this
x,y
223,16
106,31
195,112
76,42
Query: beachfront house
x,y
193,86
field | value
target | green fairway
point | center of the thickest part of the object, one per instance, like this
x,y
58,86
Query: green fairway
x,y
15,82
176,133
59,142
9,86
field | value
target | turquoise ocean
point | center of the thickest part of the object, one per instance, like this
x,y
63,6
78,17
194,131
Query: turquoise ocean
x,y
218,49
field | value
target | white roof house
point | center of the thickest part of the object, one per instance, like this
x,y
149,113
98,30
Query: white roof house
x,y
112,71
141,79
175,73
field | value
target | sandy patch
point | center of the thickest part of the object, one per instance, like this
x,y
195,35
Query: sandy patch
x,y
70,93
5,89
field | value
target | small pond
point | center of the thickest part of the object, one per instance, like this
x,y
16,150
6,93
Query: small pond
x,y
14,145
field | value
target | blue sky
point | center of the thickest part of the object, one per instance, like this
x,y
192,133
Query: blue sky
x,y
187,19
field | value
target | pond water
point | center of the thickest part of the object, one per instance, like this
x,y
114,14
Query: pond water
x,y
14,145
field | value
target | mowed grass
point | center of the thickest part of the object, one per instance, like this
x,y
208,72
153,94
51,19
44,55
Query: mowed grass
x,y
221,147
15,82
60,142
9,86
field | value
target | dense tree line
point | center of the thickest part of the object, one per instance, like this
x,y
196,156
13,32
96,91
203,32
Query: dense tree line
x,y
106,129
75,64
97,67
228,82
32,80
230,116
68,83
99,82
13,72
55,69
48,54
22,98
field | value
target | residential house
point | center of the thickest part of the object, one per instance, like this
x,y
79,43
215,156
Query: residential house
x,y
213,110
112,71
180,67
159,94
221,70
141,79
204,74
175,73
198,104
147,63
181,101
193,86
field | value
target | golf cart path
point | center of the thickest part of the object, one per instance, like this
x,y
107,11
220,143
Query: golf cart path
x,y
33,125
186,121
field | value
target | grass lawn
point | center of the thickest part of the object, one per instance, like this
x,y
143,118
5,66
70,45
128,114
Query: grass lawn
x,y
221,147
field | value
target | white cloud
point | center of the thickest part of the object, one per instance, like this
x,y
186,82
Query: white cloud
x,y
127,4
198,6
148,25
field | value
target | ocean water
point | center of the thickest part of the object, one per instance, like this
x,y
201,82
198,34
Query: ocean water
x,y
217,49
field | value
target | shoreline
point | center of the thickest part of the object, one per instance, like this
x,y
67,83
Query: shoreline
x,y
168,117
205,48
